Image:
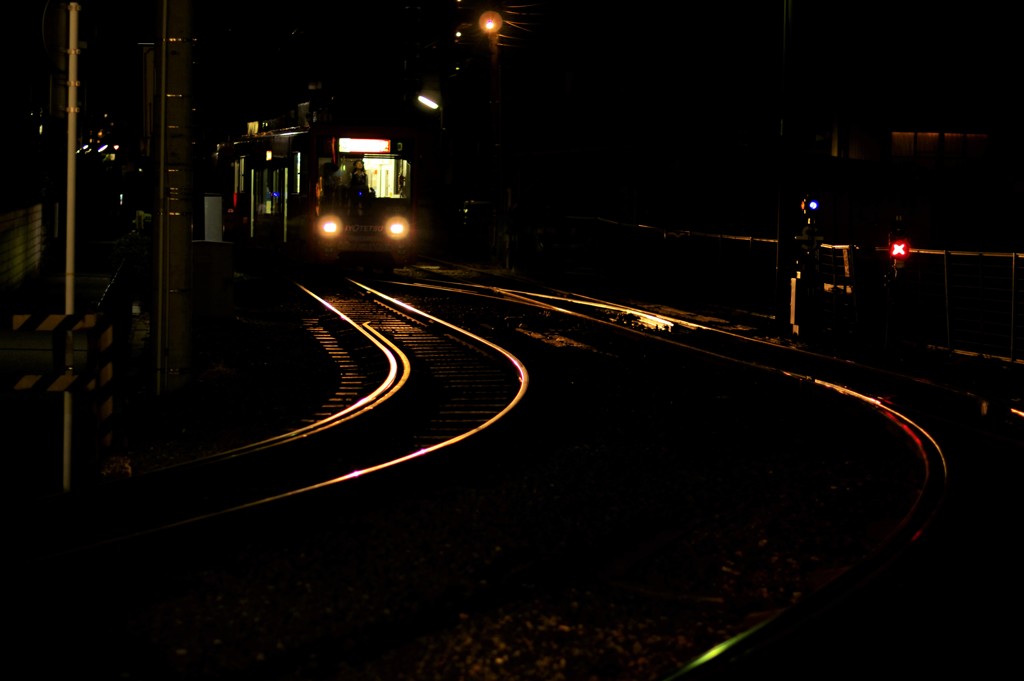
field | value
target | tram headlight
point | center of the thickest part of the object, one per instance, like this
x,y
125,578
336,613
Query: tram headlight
x,y
329,225
397,227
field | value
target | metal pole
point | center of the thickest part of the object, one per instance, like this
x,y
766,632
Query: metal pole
x,y
69,252
1013,306
252,204
945,298
496,236
490,23
72,146
787,14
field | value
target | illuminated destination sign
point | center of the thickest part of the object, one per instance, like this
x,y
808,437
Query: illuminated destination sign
x,y
352,145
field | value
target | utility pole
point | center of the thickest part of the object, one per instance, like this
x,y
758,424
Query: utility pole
x,y
782,161
174,205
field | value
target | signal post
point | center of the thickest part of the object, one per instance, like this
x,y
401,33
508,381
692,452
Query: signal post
x,y
803,285
898,254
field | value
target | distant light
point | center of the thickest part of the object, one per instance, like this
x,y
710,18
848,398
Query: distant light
x,y
270,155
813,205
427,102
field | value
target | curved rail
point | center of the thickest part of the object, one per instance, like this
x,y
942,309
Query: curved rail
x,y
538,556
264,471
664,328
523,380
372,395
914,524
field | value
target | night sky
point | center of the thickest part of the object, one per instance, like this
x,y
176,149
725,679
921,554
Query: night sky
x,y
643,80
709,62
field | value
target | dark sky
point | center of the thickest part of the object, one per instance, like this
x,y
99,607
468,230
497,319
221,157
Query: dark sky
x,y
570,62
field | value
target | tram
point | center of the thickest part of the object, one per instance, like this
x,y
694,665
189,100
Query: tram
x,y
322,193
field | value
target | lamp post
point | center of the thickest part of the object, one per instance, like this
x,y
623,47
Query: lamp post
x,y
438,198
433,105
490,24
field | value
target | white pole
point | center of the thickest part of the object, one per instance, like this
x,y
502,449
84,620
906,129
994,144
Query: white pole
x,y
69,252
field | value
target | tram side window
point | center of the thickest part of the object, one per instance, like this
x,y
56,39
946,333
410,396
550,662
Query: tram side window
x,y
403,188
238,168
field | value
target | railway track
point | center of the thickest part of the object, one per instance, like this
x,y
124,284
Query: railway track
x,y
976,417
408,384
739,654
472,382
543,537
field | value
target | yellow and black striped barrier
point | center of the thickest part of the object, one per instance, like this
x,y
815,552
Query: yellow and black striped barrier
x,y
28,350
37,353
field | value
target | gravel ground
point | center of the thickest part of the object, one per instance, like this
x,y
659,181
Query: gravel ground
x,y
790,529
257,373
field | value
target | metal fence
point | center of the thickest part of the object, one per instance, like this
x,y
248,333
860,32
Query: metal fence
x,y
967,302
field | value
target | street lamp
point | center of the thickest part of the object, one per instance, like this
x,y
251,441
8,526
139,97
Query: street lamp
x,y
490,23
440,175
428,102
434,105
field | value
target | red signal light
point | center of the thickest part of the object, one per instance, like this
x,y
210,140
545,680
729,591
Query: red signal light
x,y
899,251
